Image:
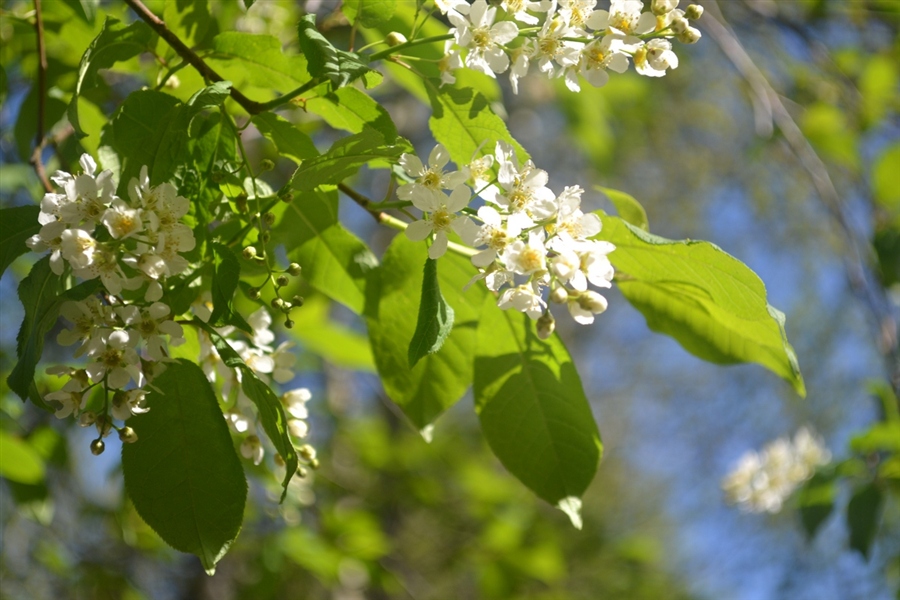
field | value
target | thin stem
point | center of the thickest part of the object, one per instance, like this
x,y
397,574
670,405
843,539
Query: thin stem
x,y
410,44
36,159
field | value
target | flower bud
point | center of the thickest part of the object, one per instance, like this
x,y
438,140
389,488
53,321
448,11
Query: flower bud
x,y
249,253
269,219
693,12
297,301
253,293
173,83
266,165
559,295
286,197
314,463
293,269
264,237
679,24
662,7
217,176
288,323
395,39
545,325
307,452
282,280
103,425
592,301
128,435
691,35
87,418
241,203
302,472
278,303
97,447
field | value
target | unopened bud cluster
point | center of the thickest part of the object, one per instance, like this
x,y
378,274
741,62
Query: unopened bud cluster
x,y
531,239
565,38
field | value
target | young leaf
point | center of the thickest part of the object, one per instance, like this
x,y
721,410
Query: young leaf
x,y
269,407
290,141
225,280
438,380
182,473
334,260
353,110
344,159
863,514
709,301
116,42
369,13
435,317
533,410
326,61
462,120
40,295
17,224
629,209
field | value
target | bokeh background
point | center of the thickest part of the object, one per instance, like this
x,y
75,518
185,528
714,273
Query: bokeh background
x,y
389,516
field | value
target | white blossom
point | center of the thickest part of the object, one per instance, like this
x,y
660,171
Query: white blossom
x,y
483,38
441,216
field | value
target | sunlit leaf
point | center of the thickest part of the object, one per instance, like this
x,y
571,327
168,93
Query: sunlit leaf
x,y
706,299
353,110
17,224
182,474
19,462
628,209
257,60
324,60
369,13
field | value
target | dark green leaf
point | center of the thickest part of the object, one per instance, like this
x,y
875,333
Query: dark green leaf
x,y
533,410
326,61
435,317
438,380
17,224
182,473
269,407
18,460
290,141
863,514
816,501
462,120
334,260
40,295
629,209
225,280
138,127
344,159
369,13
353,110
706,299
116,42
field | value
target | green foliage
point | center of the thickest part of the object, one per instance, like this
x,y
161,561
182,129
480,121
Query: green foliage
x,y
17,224
183,475
256,60
863,514
117,42
225,280
713,304
352,110
533,410
324,60
435,319
369,13
816,501
288,139
628,209
19,462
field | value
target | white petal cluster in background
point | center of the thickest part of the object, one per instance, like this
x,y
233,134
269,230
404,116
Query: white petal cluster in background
x,y
762,481
566,38
529,240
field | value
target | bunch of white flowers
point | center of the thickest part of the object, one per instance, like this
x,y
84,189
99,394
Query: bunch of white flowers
x,y
762,481
530,239
574,39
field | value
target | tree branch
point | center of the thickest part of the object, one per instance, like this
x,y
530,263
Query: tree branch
x,y
859,276
36,160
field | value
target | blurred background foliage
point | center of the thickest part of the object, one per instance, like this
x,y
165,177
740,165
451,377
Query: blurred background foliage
x,y
389,516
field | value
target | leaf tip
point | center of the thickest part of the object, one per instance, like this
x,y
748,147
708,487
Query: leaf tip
x,y
571,505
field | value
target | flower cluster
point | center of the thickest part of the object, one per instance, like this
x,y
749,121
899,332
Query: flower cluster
x,y
529,238
762,481
568,39
129,246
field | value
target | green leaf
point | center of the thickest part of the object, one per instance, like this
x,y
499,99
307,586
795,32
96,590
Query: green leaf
x,y
369,13
344,159
26,123
138,128
326,61
886,180
330,340
438,380
863,514
288,139
17,224
226,275
533,410
435,317
188,19
19,462
256,60
462,120
629,209
116,42
268,405
816,501
334,261
706,299
40,295
182,473
353,110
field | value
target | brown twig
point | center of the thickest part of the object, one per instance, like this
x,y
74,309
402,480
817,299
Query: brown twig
x,y
364,202
36,160
860,277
